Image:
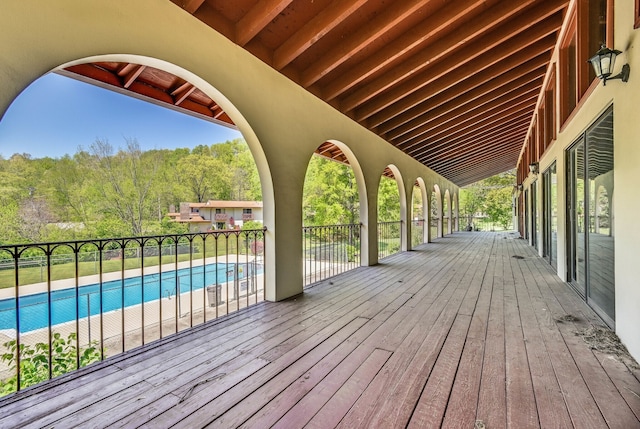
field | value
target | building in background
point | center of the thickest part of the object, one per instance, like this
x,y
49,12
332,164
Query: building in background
x,y
215,215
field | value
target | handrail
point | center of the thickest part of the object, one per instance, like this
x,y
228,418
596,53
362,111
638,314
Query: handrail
x,y
107,296
329,250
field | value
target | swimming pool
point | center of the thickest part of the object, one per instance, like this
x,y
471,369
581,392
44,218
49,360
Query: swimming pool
x,y
34,309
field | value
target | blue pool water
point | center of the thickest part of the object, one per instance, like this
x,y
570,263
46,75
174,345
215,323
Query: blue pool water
x,y
34,309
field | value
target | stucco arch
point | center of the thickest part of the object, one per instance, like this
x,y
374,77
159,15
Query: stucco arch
x,y
233,112
422,188
404,211
455,205
436,193
361,184
446,202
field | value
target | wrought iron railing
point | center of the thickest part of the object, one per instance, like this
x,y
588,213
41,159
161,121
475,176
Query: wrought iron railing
x,y
329,250
389,240
84,300
482,223
433,225
417,232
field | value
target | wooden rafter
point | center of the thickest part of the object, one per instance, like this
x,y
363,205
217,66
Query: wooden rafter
x,y
314,30
257,18
388,19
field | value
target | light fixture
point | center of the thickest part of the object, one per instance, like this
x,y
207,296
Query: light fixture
x,y
520,187
603,62
533,167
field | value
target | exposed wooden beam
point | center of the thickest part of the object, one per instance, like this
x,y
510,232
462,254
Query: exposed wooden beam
x,y
479,108
464,94
431,28
481,52
483,170
452,149
257,18
473,118
392,16
509,145
507,153
314,30
413,98
132,76
89,72
181,93
433,53
504,149
515,126
514,123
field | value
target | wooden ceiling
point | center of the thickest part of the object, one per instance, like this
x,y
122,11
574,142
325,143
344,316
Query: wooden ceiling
x,y
452,83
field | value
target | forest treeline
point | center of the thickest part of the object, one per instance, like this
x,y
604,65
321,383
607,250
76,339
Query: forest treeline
x,y
106,192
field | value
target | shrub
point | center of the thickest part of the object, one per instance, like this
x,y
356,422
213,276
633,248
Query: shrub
x,y
34,361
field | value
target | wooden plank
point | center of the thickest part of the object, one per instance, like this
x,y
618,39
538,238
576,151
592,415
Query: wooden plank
x,y
337,407
492,400
397,402
463,402
419,338
629,387
616,412
288,387
551,407
521,403
200,410
580,404
433,400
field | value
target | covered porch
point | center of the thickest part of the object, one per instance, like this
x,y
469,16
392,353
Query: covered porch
x,y
472,329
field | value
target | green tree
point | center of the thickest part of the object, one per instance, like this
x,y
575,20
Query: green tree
x,y
330,193
388,200
204,177
491,196
126,182
498,206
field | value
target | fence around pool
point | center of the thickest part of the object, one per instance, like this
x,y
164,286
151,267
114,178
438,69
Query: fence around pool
x,y
113,295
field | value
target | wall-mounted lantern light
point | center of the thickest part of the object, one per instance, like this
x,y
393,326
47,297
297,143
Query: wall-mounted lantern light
x,y
534,168
603,62
519,187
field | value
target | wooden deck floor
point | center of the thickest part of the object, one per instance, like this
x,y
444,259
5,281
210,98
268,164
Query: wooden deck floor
x,y
471,330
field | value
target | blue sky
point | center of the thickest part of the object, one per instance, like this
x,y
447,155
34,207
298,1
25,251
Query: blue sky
x,y
55,115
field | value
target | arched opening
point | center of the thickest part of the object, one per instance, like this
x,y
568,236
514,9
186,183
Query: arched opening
x,y
391,229
117,282
332,200
446,213
455,213
419,213
436,212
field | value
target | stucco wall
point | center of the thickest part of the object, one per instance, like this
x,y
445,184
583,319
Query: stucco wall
x,y
626,202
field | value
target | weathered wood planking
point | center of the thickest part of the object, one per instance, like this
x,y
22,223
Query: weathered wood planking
x,y
454,332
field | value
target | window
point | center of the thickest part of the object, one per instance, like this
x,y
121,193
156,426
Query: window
x,y
568,72
549,111
219,211
589,27
590,231
246,211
